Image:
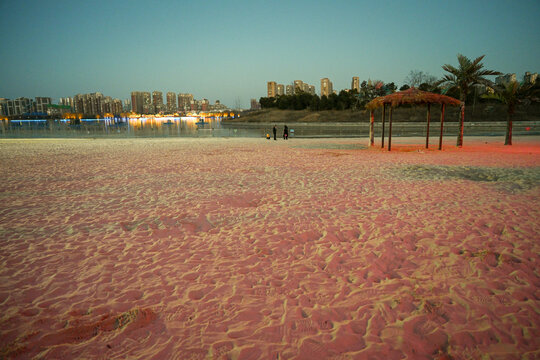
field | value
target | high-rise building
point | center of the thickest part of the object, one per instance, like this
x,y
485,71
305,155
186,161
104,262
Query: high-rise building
x,y
280,89
137,102
67,101
147,107
205,105
117,107
18,106
312,89
96,104
298,86
326,87
289,90
171,102
79,103
157,101
111,106
272,89
107,105
41,104
3,106
88,104
184,102
22,105
355,84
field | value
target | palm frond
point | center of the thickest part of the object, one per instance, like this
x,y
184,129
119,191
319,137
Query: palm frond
x,y
476,62
489,73
450,69
463,61
446,79
466,74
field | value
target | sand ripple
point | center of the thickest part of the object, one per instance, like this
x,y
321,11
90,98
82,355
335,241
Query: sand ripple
x,y
255,249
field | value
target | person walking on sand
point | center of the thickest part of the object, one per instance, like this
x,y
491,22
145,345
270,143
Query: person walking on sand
x,y
275,131
285,132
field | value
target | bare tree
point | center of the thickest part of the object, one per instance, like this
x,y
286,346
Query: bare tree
x,y
418,77
237,103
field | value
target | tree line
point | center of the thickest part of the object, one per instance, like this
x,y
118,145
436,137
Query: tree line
x,y
354,99
344,100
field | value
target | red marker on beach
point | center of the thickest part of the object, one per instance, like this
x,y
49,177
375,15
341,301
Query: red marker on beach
x,y
528,128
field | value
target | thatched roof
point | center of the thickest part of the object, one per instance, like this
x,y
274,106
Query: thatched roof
x,y
411,96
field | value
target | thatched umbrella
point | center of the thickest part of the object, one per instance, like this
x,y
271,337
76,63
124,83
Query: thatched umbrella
x,y
409,96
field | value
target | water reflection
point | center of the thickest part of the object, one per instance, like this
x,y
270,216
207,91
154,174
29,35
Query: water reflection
x,y
125,127
215,127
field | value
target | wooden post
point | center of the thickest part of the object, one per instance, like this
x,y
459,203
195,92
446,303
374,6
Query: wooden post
x,y
428,120
461,124
390,131
383,118
442,124
371,124
508,137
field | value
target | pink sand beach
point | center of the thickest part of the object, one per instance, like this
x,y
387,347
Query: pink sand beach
x,y
257,249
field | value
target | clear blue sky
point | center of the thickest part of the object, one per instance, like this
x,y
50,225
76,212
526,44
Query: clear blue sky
x,y
228,50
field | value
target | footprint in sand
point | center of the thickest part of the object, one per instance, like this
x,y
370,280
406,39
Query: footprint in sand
x,y
221,349
304,326
313,349
308,326
482,299
83,330
194,354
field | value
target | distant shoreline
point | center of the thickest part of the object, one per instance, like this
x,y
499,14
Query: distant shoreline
x,y
474,113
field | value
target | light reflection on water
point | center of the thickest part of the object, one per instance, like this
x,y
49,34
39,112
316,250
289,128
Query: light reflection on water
x,y
136,127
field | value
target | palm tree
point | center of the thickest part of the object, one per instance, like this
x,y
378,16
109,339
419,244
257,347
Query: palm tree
x,y
467,74
510,94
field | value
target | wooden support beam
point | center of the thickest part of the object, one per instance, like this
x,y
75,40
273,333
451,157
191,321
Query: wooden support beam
x,y
442,124
390,131
428,120
461,124
371,124
383,118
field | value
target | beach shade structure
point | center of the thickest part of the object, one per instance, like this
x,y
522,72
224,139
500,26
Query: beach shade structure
x,y
410,96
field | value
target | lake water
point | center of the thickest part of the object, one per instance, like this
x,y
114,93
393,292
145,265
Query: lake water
x,y
180,127
144,127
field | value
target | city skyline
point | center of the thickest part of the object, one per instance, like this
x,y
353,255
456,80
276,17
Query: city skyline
x,y
207,50
98,104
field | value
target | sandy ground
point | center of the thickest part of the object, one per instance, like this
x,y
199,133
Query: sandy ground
x,y
256,249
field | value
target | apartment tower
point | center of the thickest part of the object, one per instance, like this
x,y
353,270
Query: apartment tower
x,y
137,102
157,101
171,102
298,86
355,84
272,89
289,89
326,87
147,107
184,102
